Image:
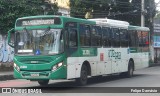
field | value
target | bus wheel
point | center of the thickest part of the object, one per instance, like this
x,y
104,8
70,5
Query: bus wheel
x,y
130,69
129,73
43,82
83,76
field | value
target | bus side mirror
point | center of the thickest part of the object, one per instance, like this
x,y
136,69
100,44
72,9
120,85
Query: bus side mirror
x,y
11,36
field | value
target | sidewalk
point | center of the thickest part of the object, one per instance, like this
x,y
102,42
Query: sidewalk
x,y
6,71
154,64
7,75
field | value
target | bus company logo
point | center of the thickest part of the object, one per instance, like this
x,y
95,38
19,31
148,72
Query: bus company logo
x,y
113,54
17,90
6,90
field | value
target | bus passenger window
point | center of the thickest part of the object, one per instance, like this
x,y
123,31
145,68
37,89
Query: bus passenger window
x,y
124,38
140,40
132,35
115,37
72,38
106,37
84,35
145,41
96,36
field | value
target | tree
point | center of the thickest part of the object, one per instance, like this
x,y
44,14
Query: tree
x,y
121,10
80,7
13,9
114,9
149,12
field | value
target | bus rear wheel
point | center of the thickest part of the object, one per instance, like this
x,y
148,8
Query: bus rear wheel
x,y
83,76
129,73
130,69
43,82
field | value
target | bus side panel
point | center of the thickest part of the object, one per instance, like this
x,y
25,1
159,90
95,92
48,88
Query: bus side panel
x,y
104,62
141,59
137,60
145,59
119,58
74,65
124,59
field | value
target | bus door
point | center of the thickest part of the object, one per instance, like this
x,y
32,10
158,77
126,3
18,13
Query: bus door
x,y
104,53
114,52
145,48
71,49
139,53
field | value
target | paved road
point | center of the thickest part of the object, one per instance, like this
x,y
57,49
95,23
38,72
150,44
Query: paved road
x,y
148,77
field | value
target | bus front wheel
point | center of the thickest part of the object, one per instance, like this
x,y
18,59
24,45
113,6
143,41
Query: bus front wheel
x,y
43,82
83,76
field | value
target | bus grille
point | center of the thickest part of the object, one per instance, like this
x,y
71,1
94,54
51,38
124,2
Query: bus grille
x,y
35,60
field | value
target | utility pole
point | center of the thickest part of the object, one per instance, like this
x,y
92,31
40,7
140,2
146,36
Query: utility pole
x,y
142,14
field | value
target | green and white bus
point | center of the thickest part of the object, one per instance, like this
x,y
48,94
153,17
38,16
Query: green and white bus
x,y
52,47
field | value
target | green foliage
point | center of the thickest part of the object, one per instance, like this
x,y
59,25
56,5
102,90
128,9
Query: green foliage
x,y
13,9
114,9
79,8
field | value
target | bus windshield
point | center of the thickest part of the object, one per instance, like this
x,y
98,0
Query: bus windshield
x,y
39,42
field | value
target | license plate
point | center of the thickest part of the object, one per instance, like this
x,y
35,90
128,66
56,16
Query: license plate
x,y
34,74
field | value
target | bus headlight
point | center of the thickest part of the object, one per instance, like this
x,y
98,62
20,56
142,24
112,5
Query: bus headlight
x,y
16,67
55,67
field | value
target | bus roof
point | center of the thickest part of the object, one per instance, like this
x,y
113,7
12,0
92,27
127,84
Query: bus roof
x,y
111,23
138,28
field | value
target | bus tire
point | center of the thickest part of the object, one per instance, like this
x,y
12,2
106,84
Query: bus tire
x,y
83,76
129,73
43,82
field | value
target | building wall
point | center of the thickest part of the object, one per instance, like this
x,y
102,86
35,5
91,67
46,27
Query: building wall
x,y
63,6
62,3
6,52
156,39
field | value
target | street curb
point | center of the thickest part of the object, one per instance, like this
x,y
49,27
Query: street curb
x,y
6,77
154,64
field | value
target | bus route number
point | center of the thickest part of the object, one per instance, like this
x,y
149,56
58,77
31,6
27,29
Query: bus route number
x,y
86,52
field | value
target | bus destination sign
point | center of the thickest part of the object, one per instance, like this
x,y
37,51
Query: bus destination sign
x,y
38,21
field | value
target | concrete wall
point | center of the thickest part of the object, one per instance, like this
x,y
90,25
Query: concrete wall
x,y
6,52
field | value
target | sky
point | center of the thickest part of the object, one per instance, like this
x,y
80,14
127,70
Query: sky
x,y
158,6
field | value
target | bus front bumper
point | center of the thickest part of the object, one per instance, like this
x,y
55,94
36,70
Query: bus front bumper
x,y
58,74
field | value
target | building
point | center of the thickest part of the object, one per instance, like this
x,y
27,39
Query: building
x,y
63,5
156,38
